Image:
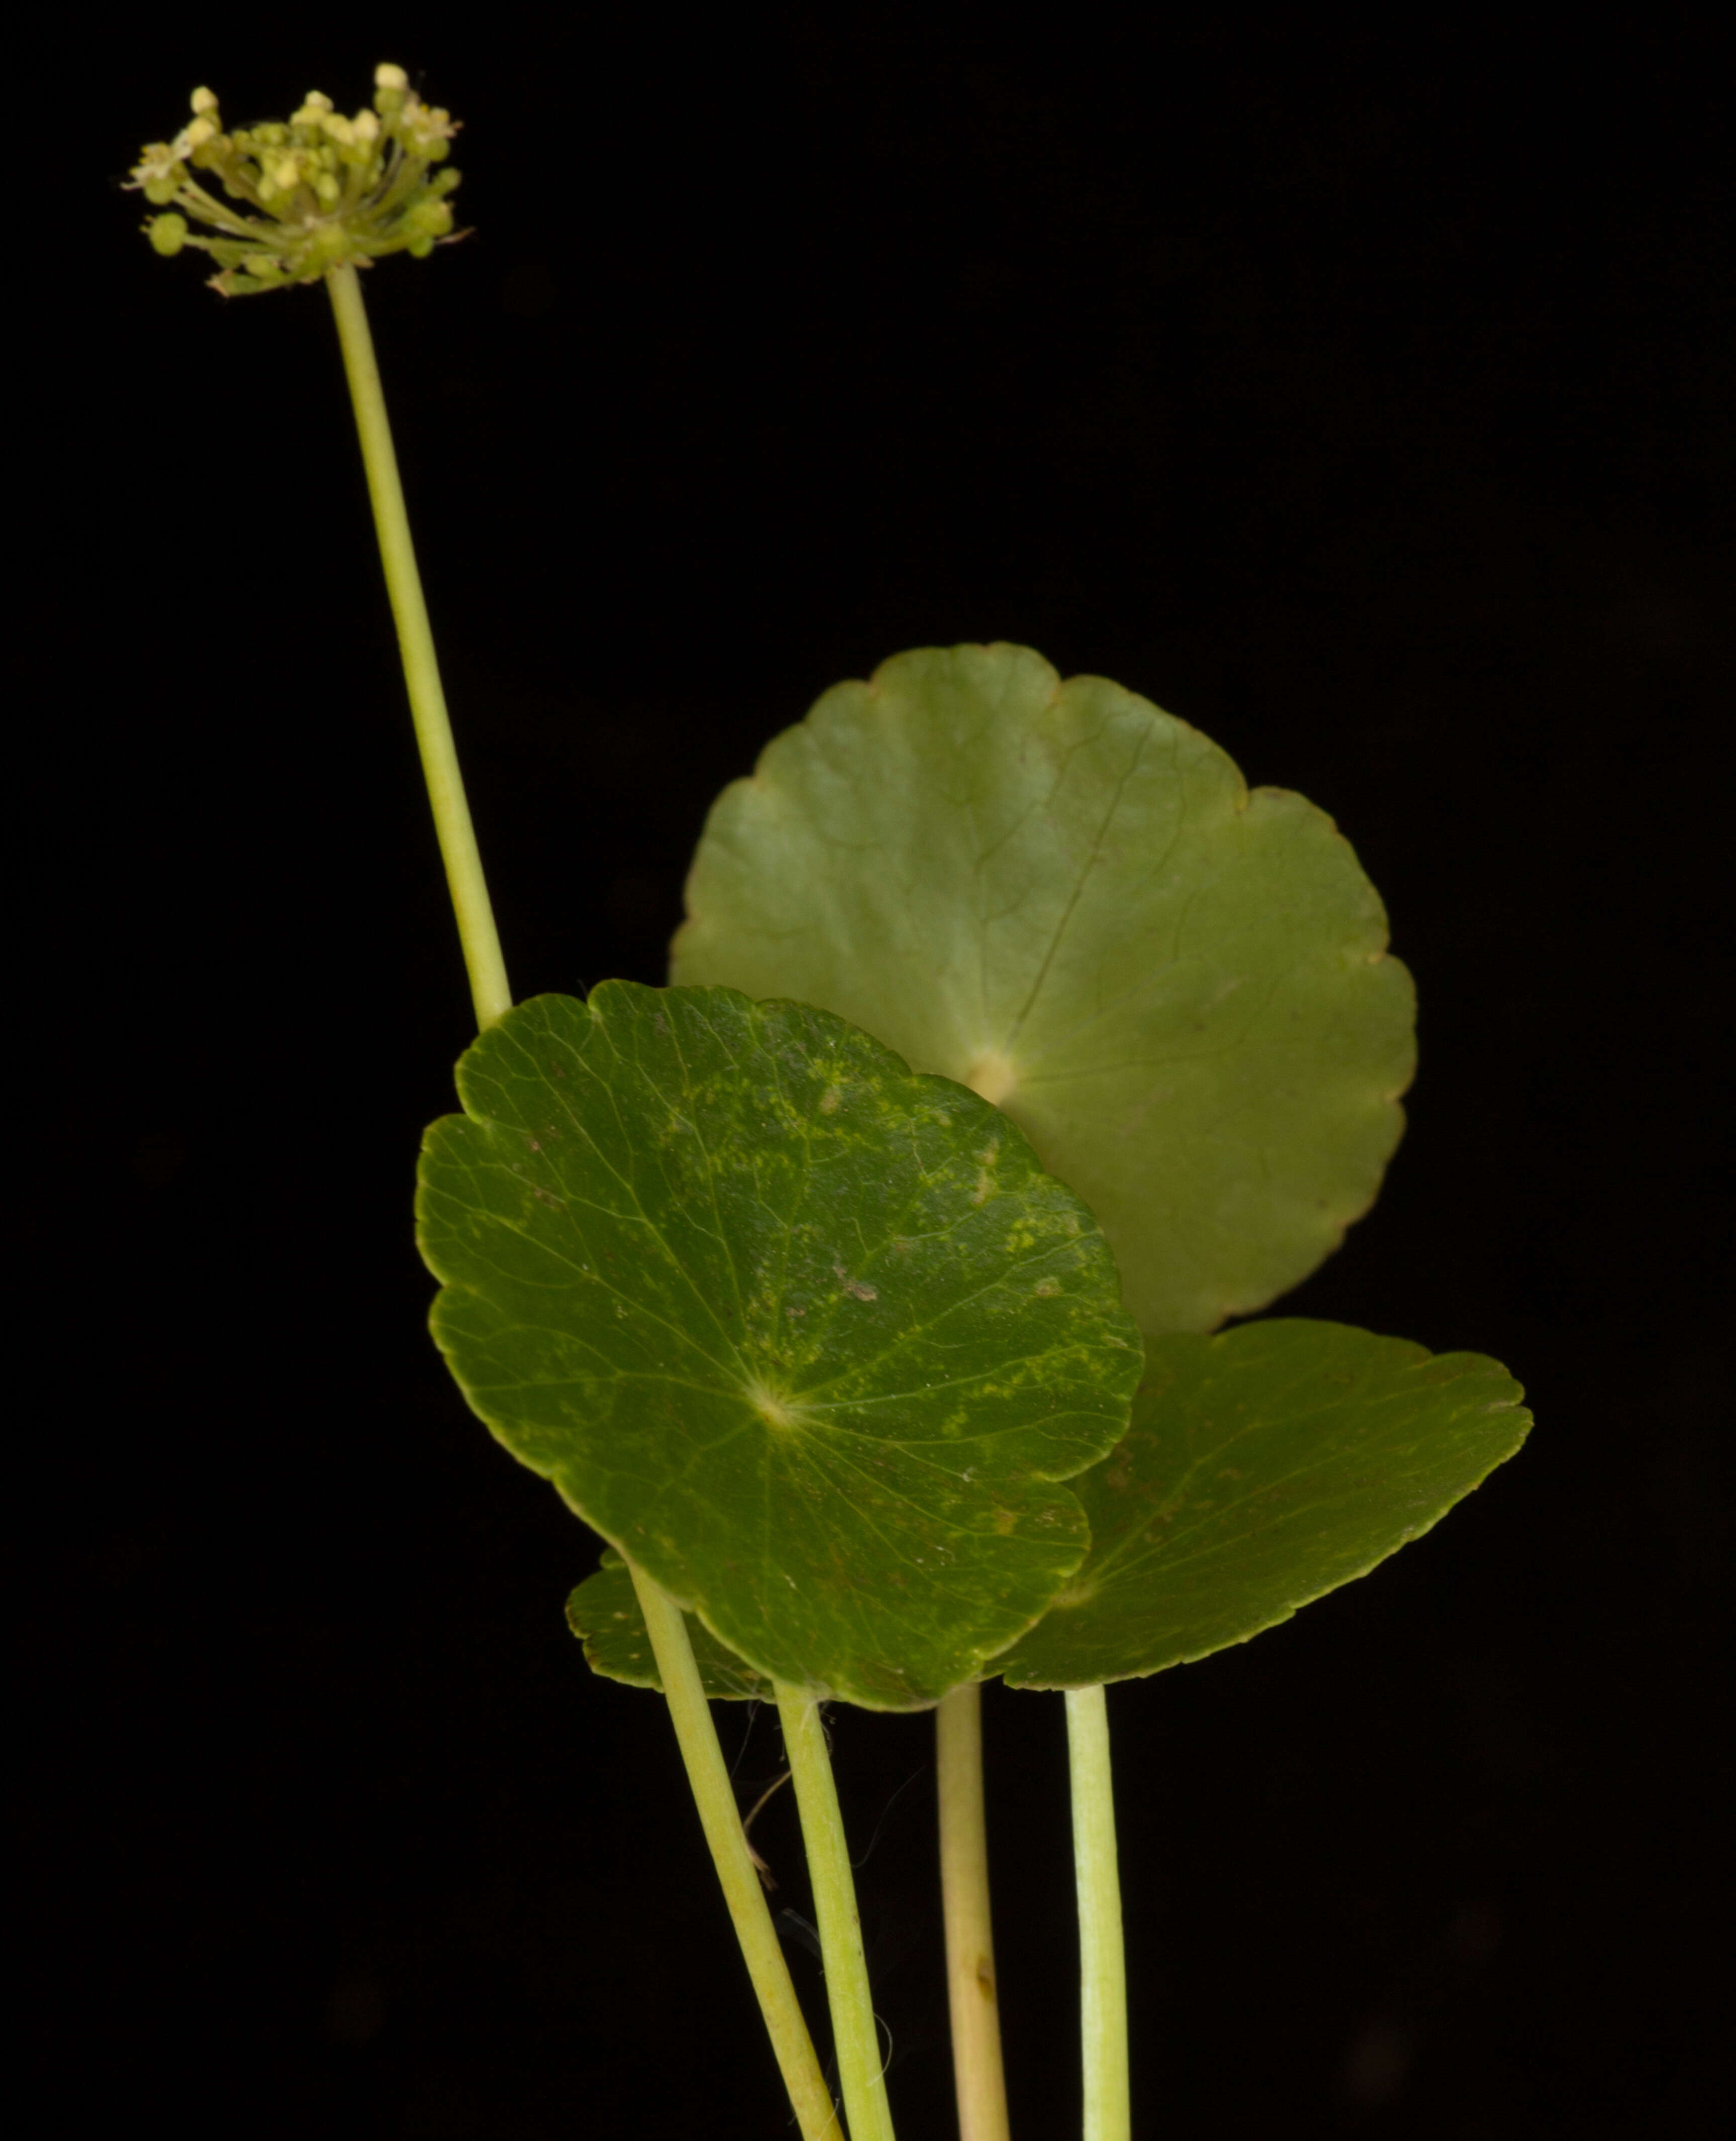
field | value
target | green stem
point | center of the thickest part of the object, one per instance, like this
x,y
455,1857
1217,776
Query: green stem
x,y
1102,1961
694,1730
854,2033
720,1818
452,824
976,2070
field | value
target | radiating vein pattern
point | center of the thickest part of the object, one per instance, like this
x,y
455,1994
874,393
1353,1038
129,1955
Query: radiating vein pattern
x,y
1063,896
813,1338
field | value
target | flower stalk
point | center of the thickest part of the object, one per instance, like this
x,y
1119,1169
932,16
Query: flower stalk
x,y
333,194
465,883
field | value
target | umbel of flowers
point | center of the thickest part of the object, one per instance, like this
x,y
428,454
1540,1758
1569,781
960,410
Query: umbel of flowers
x,y
318,192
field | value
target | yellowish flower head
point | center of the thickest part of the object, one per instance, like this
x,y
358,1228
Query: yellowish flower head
x,y
316,191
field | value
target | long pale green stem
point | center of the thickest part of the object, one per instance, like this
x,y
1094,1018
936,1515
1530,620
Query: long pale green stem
x,y
977,2073
720,1818
694,1730
452,824
1102,1960
854,2032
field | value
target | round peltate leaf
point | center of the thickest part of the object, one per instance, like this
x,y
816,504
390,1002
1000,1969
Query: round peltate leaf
x,y
603,1612
1069,901
806,1335
1264,1467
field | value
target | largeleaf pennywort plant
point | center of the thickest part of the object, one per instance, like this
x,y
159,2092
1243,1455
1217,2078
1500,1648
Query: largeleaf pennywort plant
x,y
861,1288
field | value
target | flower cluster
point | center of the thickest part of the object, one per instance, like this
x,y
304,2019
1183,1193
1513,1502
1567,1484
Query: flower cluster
x,y
329,191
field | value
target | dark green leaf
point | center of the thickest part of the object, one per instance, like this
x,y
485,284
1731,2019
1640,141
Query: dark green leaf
x,y
603,1612
806,1335
1264,1467
1069,900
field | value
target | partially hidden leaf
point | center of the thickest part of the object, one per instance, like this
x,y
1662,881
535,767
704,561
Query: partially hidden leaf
x,y
1069,900
1264,1467
808,1336
603,1612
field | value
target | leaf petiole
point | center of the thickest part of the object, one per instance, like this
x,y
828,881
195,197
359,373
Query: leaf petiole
x,y
715,1797
978,2076
1102,1961
856,2035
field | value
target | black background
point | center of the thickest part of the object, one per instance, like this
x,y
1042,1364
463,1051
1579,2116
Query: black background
x,y
1364,401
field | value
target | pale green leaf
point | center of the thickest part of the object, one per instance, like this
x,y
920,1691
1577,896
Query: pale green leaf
x,y
1067,899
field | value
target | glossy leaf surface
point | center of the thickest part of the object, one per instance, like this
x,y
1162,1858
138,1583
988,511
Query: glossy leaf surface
x,y
807,1335
1069,900
1264,1467
603,1612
